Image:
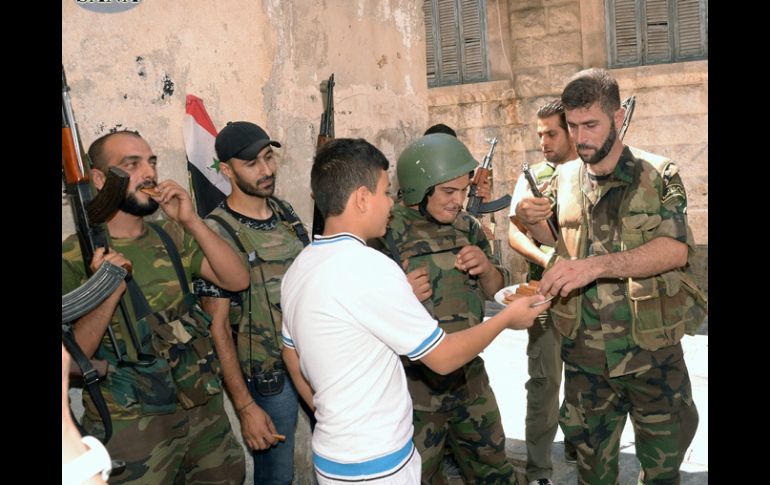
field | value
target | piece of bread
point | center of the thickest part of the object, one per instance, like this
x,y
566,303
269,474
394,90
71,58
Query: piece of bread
x,y
150,191
527,289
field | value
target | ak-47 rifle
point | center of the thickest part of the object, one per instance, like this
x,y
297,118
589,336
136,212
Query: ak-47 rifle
x,y
529,174
629,104
91,212
475,206
325,134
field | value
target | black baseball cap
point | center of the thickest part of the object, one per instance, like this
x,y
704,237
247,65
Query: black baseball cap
x,y
243,140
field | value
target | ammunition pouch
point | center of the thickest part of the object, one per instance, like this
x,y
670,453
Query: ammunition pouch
x,y
268,383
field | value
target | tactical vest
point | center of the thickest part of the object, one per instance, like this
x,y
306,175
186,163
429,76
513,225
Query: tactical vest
x,y
270,253
457,301
663,307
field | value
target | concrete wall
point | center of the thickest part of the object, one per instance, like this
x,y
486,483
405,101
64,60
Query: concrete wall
x,y
545,42
261,61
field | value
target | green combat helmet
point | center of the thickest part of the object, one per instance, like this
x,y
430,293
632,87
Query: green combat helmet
x,y
429,161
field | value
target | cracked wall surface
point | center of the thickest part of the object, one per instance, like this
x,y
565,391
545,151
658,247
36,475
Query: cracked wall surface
x,y
261,61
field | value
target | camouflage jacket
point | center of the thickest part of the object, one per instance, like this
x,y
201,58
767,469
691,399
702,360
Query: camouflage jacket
x,y
276,246
457,301
155,275
618,323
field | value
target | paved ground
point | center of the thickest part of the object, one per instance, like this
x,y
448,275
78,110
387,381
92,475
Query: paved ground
x,y
506,364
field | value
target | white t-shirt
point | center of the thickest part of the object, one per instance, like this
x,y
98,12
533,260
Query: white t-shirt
x,y
349,312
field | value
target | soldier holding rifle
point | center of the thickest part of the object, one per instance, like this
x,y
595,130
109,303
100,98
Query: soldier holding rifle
x,y
625,293
163,388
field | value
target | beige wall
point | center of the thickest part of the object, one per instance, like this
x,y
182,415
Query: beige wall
x,y
547,42
258,61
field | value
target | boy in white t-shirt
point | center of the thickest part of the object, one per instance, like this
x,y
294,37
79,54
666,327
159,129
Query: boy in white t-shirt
x,y
349,312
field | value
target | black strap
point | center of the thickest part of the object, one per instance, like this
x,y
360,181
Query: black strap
x,y
227,227
173,253
293,220
91,381
138,300
395,255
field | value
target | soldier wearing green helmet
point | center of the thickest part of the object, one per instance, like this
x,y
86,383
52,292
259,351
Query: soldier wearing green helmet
x,y
450,266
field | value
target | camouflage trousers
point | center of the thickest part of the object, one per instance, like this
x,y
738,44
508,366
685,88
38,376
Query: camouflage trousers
x,y
542,421
662,411
473,432
193,446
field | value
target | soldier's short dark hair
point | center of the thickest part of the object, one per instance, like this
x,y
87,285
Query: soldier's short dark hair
x,y
589,86
440,128
342,166
96,150
551,109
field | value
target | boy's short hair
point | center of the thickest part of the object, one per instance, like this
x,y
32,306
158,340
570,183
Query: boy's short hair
x,y
342,166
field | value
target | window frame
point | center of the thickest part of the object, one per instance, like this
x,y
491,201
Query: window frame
x,y
440,77
642,44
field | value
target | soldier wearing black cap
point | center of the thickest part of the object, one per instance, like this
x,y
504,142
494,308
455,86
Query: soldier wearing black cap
x,y
267,231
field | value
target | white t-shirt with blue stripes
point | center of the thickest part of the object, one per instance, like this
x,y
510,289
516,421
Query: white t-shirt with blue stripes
x,y
349,312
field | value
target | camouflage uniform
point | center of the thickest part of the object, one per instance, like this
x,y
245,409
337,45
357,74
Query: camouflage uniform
x,y
621,336
276,243
169,423
457,411
544,369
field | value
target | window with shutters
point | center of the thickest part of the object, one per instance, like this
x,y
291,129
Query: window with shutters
x,y
642,32
456,44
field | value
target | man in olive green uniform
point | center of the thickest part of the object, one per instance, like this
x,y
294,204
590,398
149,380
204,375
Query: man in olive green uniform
x,y
165,400
269,233
449,264
544,347
627,298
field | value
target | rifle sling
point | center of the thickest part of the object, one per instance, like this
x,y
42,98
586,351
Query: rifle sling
x,y
91,382
138,301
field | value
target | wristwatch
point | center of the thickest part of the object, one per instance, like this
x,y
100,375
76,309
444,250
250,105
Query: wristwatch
x,y
95,460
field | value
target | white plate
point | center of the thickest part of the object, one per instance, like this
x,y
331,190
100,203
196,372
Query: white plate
x,y
500,296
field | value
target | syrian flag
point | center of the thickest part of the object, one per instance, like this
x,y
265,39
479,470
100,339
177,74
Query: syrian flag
x,y
208,185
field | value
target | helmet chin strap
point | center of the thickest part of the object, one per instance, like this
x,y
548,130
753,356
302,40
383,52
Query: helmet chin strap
x,y
423,208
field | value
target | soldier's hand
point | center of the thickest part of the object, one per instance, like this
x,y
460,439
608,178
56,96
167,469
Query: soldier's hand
x,y
520,314
532,210
483,189
175,202
472,260
113,257
419,280
567,275
257,428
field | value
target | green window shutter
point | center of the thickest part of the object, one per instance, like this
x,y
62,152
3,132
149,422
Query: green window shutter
x,y
691,28
625,38
455,41
642,32
472,14
430,43
448,28
657,39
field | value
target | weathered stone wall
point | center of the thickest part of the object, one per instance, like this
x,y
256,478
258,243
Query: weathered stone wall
x,y
260,61
545,42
